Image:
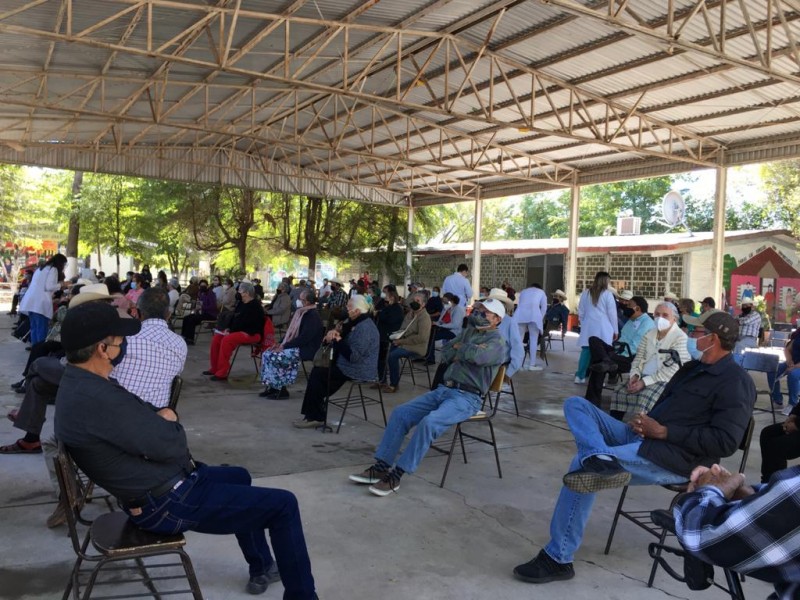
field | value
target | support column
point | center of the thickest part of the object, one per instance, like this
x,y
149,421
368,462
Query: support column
x,y
572,249
476,246
409,240
718,240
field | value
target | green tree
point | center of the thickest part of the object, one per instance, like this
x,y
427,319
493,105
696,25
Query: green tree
x,y
11,190
541,216
782,183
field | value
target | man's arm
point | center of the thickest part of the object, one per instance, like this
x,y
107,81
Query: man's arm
x,y
490,352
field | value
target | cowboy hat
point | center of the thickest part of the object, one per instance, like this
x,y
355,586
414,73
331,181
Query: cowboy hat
x,y
502,296
88,293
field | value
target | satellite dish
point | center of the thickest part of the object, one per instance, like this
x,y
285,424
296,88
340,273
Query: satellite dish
x,y
673,209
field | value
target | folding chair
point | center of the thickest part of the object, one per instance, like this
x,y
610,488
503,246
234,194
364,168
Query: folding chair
x,y
423,367
480,417
184,307
512,393
778,339
552,330
642,518
344,402
257,349
116,540
763,362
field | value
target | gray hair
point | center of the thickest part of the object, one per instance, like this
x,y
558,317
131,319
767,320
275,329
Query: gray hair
x,y
360,303
672,308
247,288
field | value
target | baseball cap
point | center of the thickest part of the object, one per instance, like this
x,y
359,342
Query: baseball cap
x,y
495,306
89,293
716,321
92,322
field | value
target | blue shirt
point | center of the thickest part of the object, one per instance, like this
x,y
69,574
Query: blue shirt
x,y
458,285
516,349
634,330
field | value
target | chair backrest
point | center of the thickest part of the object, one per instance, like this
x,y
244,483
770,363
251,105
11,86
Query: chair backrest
x,y
432,338
497,382
175,391
761,362
71,492
267,338
744,446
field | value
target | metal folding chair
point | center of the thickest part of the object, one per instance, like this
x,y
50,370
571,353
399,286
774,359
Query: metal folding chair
x,y
419,367
767,363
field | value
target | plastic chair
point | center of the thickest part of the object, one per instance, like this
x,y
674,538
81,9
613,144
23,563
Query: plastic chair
x,y
767,363
117,541
480,417
642,518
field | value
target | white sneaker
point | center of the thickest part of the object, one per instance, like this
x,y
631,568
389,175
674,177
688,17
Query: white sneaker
x,y
580,380
787,410
535,368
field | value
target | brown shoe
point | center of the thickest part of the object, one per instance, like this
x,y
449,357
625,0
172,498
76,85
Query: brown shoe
x,y
303,424
59,516
389,389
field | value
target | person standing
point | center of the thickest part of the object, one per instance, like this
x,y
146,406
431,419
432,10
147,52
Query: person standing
x,y
529,317
458,285
597,311
37,302
749,324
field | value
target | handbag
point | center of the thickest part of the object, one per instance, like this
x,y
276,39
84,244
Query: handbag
x,y
322,357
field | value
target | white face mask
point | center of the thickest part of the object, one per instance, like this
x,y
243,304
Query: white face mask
x,y
298,303
662,323
383,295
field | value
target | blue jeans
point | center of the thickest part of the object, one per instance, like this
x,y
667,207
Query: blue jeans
x,y
395,354
792,382
596,433
432,414
39,325
220,500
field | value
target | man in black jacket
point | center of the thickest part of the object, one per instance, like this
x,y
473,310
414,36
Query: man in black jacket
x,y
700,418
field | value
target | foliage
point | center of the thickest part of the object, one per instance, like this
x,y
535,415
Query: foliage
x,y
541,216
782,183
11,181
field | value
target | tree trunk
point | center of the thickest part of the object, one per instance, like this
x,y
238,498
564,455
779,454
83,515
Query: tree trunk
x,y
74,226
117,233
312,265
241,244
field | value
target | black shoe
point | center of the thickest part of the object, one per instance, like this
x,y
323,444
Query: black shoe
x,y
267,391
189,341
20,389
18,384
281,394
208,372
597,474
605,366
543,569
215,378
257,585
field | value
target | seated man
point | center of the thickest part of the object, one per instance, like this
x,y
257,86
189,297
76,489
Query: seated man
x,y
652,369
700,417
510,331
557,315
412,342
754,530
140,455
606,359
247,327
474,357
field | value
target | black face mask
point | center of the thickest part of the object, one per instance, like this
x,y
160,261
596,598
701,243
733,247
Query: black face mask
x,y
746,310
628,312
415,306
123,349
478,319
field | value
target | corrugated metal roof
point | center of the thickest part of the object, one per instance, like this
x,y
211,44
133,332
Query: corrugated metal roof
x,y
400,94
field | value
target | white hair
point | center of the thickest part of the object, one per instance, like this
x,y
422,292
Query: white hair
x,y
358,302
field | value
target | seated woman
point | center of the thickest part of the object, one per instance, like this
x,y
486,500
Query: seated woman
x,y
450,323
651,369
279,365
281,309
246,327
208,312
412,342
354,343
136,289
388,320
790,368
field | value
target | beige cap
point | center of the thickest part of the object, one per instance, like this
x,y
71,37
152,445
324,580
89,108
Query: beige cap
x,y
626,295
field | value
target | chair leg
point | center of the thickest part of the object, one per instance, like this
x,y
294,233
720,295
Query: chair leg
x,y
146,580
344,410
428,372
383,409
461,439
496,453
616,519
514,396
191,577
411,368
662,538
456,433
363,404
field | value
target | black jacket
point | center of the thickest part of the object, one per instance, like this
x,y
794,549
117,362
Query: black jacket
x,y
706,410
309,337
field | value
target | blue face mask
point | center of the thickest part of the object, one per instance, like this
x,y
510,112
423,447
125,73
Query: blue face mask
x,y
133,285
435,294
691,347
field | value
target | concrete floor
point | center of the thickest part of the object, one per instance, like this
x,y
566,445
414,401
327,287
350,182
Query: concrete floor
x,y
422,543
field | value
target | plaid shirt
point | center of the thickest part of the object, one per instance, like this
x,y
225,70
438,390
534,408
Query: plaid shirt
x,y
749,325
154,357
757,536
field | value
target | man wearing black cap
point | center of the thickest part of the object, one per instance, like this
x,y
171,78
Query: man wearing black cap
x,y
700,418
140,455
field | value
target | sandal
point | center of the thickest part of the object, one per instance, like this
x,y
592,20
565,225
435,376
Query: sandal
x,y
22,447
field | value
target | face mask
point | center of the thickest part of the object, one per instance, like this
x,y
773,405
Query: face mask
x,y
691,347
628,312
133,285
383,295
415,306
225,287
123,349
478,320
298,303
447,305
662,324
203,288
434,294
746,310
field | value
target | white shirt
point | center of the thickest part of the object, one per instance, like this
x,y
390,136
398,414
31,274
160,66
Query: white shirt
x,y
458,285
39,297
531,307
154,357
173,299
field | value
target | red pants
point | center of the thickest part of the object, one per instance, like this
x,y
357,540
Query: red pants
x,y
222,346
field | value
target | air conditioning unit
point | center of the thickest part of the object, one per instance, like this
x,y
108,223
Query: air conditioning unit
x,y
629,225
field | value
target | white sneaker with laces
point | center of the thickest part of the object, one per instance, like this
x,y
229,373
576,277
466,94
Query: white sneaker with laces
x,y
580,380
787,410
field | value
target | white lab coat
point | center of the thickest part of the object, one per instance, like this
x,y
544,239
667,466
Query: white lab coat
x,y
599,321
39,297
531,307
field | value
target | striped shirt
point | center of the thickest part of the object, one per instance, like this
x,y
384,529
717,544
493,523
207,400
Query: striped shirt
x,y
749,325
154,357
